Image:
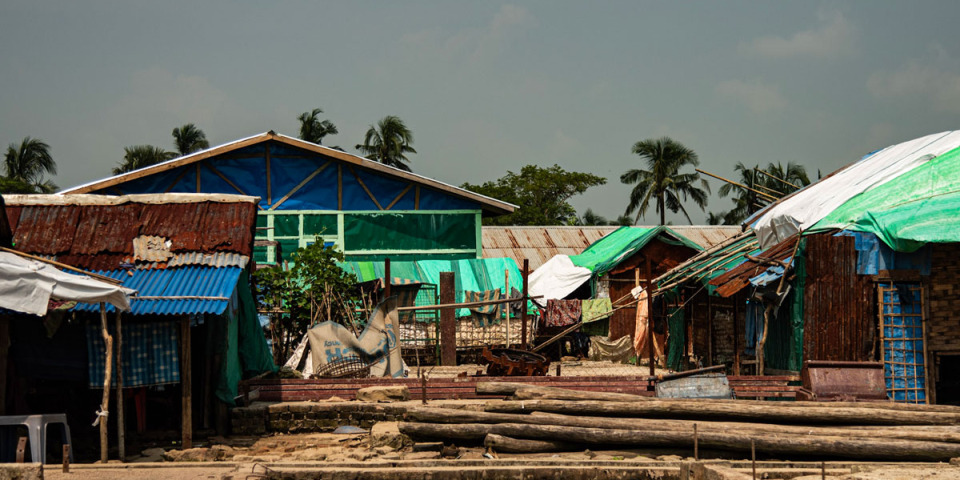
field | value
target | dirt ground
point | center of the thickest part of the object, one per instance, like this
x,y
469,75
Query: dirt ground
x,y
240,457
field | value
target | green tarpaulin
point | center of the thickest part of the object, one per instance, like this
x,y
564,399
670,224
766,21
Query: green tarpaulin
x,y
476,275
920,206
605,254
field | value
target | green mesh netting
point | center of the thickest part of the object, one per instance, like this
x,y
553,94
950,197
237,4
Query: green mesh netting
x,y
677,338
784,347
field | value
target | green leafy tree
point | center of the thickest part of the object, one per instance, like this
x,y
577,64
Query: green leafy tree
x,y
188,139
140,156
11,185
663,183
28,163
388,142
591,218
315,289
312,129
748,201
541,194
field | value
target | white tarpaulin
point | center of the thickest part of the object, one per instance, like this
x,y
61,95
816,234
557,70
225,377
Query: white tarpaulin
x,y
330,341
808,206
28,285
557,278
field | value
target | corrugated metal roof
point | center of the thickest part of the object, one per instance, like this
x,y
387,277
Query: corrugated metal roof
x,y
740,276
711,263
539,244
175,291
101,237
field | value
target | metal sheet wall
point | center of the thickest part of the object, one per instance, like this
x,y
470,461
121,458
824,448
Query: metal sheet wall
x,y
839,305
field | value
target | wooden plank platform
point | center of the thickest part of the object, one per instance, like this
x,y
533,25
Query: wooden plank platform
x,y
290,390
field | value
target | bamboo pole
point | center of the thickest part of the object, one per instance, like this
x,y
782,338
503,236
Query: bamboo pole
x,y
718,177
523,309
777,178
121,434
108,371
506,293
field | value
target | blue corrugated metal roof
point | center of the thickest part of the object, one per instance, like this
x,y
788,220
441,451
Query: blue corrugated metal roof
x,y
174,291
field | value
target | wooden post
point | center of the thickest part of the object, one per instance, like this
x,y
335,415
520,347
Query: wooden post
x,y
186,384
121,434
736,335
506,291
386,278
636,283
4,354
650,339
523,307
108,371
448,322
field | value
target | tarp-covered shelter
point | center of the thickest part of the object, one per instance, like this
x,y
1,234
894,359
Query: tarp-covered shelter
x,y
367,210
188,258
872,279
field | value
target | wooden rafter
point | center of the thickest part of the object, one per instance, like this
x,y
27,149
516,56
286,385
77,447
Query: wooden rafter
x,y
300,185
266,152
365,189
222,176
177,180
395,200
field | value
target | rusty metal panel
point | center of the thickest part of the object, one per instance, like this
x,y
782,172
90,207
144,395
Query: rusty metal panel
x,y
106,228
738,278
839,304
228,227
13,216
844,380
706,235
47,230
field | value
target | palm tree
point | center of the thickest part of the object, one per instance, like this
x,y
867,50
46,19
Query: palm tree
x,y
662,182
388,143
29,162
788,180
140,156
188,139
313,129
591,218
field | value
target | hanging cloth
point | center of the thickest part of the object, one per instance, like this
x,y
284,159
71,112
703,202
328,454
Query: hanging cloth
x,y
484,315
596,309
561,313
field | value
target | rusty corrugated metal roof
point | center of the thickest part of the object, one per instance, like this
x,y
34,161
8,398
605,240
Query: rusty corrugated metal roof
x,y
739,277
539,244
100,235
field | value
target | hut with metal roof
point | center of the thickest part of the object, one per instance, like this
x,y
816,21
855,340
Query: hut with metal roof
x,y
192,332
368,210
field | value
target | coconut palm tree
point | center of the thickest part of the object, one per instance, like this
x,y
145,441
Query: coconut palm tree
x,y
388,143
663,183
139,156
747,202
28,162
188,139
313,129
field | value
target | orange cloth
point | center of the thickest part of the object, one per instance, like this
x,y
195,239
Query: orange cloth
x,y
640,333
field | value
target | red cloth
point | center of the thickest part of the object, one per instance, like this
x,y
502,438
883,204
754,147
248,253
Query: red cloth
x,y
561,313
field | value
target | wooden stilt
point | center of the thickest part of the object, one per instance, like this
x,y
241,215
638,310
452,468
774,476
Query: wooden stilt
x,y
186,383
108,371
448,322
523,309
121,433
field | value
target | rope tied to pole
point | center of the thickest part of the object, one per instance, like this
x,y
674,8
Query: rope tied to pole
x,y
101,413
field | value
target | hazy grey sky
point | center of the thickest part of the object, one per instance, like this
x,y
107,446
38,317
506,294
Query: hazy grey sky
x,y
487,87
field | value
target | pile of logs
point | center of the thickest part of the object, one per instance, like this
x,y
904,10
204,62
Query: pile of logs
x,y
544,419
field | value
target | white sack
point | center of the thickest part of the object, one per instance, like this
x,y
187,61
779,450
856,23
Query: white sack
x,y
28,285
808,206
331,341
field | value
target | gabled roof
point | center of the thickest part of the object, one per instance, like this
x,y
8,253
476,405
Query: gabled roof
x,y
488,204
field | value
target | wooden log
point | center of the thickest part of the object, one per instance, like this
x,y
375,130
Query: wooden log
x,y
506,444
452,416
708,410
186,383
835,447
512,388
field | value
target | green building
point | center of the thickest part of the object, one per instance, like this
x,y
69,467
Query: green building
x,y
368,210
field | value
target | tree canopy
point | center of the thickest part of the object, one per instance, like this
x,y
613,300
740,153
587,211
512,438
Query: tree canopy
x,y
27,164
188,139
541,194
139,156
312,129
388,142
662,183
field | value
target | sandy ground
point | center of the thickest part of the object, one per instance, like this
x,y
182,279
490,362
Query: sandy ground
x,y
238,457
